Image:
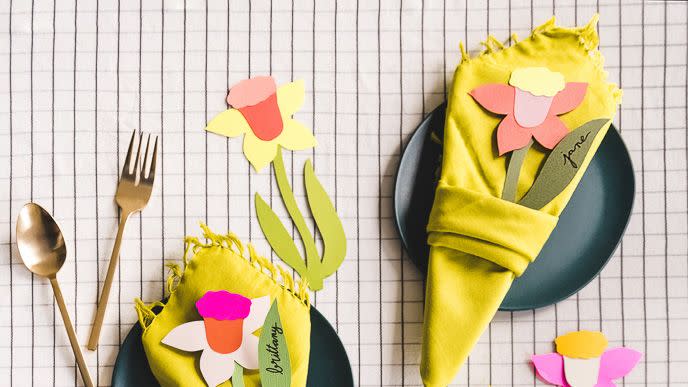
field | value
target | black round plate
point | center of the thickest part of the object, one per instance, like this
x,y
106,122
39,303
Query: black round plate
x,y
584,240
328,364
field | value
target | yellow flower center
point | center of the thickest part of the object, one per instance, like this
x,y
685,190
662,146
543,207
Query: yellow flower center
x,y
538,80
581,344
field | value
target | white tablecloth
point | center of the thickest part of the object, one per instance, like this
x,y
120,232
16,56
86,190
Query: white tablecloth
x,y
77,78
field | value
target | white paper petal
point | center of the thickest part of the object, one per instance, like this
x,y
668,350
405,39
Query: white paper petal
x,y
247,354
216,368
188,337
259,310
581,372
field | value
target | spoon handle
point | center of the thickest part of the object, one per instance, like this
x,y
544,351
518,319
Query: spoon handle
x,y
70,332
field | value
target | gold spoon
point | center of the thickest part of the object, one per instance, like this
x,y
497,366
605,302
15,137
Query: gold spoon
x,y
43,251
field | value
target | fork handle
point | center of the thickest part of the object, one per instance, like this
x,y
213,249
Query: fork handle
x,y
107,285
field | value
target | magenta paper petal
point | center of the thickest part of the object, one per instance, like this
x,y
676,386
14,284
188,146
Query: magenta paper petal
x,y
550,132
223,305
511,136
550,368
616,363
569,98
495,97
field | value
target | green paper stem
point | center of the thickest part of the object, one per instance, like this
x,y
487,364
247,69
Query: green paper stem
x,y
328,222
312,258
278,236
313,268
238,376
513,172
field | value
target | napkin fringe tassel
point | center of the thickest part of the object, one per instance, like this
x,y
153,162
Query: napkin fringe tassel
x,y
587,36
298,288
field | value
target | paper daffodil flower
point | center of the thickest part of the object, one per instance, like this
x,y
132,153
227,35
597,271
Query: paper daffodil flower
x,y
583,360
225,335
531,103
262,113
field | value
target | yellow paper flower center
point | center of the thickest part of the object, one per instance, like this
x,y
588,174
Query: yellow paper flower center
x,y
538,80
581,344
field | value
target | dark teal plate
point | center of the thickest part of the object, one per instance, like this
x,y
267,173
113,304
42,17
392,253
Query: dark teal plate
x,y
328,364
584,240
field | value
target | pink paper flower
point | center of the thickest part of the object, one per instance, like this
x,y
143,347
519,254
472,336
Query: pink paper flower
x,y
584,360
225,335
256,99
262,113
531,104
223,316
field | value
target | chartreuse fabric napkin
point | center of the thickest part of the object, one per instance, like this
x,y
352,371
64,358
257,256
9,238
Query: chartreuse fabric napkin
x,y
220,264
479,242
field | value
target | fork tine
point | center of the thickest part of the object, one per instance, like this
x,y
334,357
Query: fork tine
x,y
127,160
151,172
138,157
144,168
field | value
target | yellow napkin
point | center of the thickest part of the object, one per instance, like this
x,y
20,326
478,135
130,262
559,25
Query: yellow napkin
x,y
220,264
479,242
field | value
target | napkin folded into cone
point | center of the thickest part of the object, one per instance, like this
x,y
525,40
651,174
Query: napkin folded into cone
x,y
479,243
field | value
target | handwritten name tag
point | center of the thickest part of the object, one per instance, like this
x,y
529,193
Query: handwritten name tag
x,y
273,355
571,152
554,176
273,348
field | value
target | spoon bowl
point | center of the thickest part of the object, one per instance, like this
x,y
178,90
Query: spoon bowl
x,y
40,241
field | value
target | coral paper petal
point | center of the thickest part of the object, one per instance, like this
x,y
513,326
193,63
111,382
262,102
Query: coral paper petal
x,y
290,97
495,97
188,337
550,132
258,152
296,136
230,123
216,368
617,363
264,118
247,355
569,98
511,136
259,309
550,367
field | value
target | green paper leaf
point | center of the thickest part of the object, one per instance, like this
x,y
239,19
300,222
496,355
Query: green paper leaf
x,y
562,164
329,224
278,237
238,376
273,355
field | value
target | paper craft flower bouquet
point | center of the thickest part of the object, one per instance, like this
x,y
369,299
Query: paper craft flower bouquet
x,y
499,196
261,112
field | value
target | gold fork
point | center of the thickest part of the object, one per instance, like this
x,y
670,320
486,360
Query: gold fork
x,y
133,191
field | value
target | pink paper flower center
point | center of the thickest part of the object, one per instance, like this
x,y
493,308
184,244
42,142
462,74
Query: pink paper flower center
x,y
223,305
256,100
530,110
